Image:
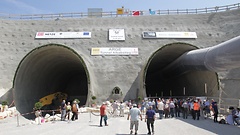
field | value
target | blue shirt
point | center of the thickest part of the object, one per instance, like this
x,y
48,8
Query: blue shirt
x,y
150,113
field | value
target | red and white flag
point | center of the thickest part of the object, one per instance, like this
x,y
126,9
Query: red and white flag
x,y
40,33
135,13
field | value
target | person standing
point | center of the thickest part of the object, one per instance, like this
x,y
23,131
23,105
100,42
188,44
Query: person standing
x,y
166,109
237,116
74,111
121,107
185,107
153,104
177,107
150,118
215,110
206,108
172,106
69,108
103,114
77,109
191,108
142,106
63,110
196,108
115,107
134,113
160,108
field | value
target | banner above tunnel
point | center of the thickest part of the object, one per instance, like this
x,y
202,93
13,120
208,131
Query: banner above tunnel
x,y
114,51
169,35
63,35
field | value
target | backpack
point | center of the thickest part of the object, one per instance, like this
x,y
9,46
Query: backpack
x,y
74,108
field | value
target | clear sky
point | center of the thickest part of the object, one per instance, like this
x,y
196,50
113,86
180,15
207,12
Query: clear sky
x,y
69,6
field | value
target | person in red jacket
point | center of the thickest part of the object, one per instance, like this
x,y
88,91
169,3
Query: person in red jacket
x,y
103,114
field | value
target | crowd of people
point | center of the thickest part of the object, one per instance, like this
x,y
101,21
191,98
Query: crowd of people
x,y
67,109
153,109
167,108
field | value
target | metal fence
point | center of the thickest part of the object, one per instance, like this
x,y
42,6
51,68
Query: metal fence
x,y
126,13
225,103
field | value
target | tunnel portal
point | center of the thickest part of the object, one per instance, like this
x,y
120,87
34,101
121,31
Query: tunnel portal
x,y
47,70
192,83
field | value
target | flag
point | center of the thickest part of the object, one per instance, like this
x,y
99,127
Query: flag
x,y
135,13
40,34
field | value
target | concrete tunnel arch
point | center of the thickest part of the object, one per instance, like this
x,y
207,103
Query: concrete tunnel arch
x,y
46,70
157,83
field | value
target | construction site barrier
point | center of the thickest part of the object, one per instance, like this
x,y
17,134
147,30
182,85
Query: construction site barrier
x,y
39,117
126,12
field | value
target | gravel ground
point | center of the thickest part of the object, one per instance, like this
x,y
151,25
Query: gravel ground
x,y
87,125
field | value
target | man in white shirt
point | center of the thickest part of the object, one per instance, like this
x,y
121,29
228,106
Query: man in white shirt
x,y
134,114
160,108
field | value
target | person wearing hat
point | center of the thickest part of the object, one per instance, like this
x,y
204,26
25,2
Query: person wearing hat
x,y
103,114
134,113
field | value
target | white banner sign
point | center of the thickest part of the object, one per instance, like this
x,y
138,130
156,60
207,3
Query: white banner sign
x,y
63,35
114,51
176,35
116,34
169,35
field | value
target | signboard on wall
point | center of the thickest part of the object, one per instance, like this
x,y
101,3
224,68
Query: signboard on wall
x,y
169,35
149,34
116,34
120,11
114,51
95,12
63,35
176,35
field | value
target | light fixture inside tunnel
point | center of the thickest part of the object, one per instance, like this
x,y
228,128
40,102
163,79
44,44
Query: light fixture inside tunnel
x,y
48,70
159,83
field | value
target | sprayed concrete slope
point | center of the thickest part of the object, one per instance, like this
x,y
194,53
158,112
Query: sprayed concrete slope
x,y
33,68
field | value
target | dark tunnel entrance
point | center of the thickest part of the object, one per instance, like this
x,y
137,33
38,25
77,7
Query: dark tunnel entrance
x,y
191,83
48,73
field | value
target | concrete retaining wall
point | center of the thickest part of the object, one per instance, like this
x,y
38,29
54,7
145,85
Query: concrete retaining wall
x,y
17,39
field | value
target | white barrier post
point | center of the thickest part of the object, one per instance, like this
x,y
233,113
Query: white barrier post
x,y
239,103
18,121
53,117
205,88
184,91
39,120
90,116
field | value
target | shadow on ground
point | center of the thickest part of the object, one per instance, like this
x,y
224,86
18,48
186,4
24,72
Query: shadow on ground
x,y
209,125
132,134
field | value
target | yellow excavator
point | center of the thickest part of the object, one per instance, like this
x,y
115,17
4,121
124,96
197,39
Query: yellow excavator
x,y
55,97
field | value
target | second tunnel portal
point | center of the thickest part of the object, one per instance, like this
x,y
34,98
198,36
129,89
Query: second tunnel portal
x,y
159,83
